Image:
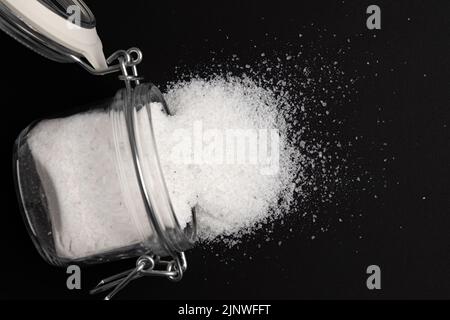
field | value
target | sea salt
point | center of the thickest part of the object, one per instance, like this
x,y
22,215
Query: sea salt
x,y
231,198
75,160
90,211
294,173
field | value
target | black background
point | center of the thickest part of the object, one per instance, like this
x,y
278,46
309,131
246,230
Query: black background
x,y
403,227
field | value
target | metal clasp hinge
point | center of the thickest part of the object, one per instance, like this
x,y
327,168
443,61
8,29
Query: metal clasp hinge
x,y
146,265
126,59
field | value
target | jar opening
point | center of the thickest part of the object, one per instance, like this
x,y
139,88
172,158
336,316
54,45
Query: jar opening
x,y
137,105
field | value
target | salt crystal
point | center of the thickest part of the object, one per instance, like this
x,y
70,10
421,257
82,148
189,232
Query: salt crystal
x,y
231,198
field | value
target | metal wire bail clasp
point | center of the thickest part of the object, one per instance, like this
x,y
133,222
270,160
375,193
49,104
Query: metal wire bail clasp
x,y
147,265
127,59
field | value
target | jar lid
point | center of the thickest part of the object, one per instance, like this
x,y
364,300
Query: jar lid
x,y
60,30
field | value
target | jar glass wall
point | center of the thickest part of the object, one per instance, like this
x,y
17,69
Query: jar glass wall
x,y
91,186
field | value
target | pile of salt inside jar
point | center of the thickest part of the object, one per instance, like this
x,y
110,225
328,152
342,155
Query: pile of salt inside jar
x,y
200,162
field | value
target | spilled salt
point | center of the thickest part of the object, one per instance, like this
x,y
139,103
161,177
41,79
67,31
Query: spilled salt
x,y
224,151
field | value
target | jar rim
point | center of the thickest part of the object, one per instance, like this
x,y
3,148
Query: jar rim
x,y
133,100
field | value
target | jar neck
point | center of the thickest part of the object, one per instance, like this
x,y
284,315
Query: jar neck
x,y
133,127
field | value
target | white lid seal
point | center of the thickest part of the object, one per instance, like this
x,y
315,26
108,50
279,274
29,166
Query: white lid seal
x,y
56,29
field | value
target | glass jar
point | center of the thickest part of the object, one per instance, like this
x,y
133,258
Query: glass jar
x,y
91,186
